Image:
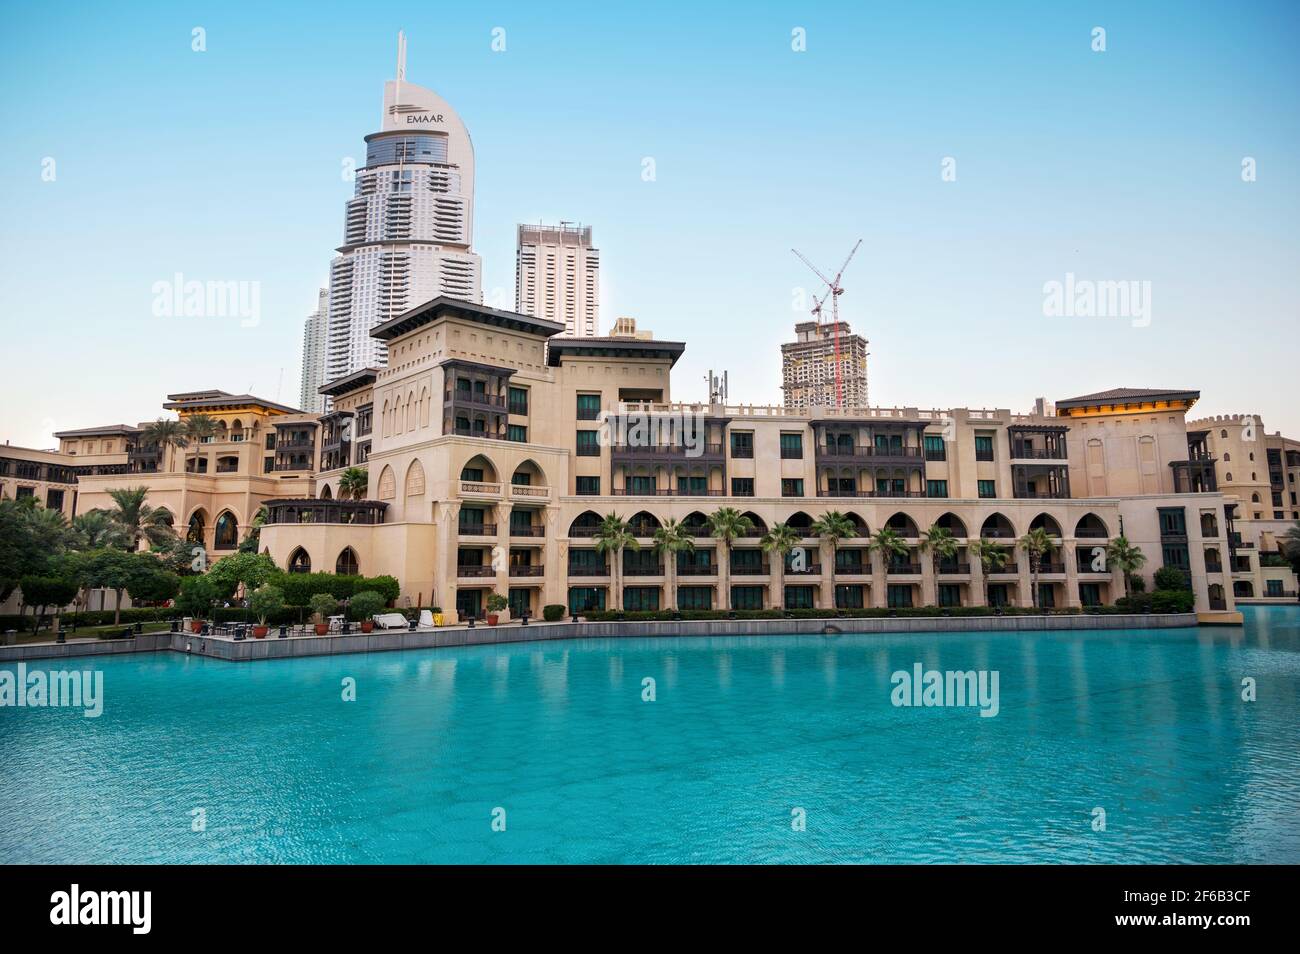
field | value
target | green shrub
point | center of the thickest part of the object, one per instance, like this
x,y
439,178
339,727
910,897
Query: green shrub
x,y
197,594
1170,578
365,605
265,602
496,603
386,586
323,605
553,612
1172,601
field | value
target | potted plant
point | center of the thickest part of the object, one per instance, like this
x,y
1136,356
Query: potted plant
x,y
495,604
197,597
364,606
265,602
323,606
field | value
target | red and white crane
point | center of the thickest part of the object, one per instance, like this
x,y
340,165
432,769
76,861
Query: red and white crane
x,y
833,291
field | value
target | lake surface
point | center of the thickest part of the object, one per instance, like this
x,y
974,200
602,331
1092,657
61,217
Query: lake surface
x,y
745,737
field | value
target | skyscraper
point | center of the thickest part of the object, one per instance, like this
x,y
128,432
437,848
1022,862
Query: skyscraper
x,y
315,344
808,367
409,226
557,277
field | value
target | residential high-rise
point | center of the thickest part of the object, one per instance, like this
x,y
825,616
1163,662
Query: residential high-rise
x,y
808,367
409,226
557,277
315,344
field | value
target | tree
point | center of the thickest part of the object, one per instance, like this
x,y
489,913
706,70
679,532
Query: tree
x,y
940,543
367,603
157,586
611,537
139,520
183,557
1290,546
726,524
992,556
265,602
197,596
833,527
119,572
199,429
1037,543
778,542
252,539
96,530
671,539
29,536
889,544
1126,558
354,483
40,592
249,570
164,434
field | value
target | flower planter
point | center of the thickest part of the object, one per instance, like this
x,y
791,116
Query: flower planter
x,y
322,629
492,619
367,625
259,632
196,626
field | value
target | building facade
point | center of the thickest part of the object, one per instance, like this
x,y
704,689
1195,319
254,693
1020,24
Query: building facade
x,y
409,228
315,350
808,367
557,277
494,445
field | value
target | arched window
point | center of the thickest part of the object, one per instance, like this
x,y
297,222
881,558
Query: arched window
x,y
346,564
299,561
227,532
1227,457
387,484
326,493
198,523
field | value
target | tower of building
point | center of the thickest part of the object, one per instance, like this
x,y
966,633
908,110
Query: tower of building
x,y
808,367
409,226
557,277
315,344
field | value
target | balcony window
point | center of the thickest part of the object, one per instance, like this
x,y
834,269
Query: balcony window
x,y
988,488
899,596
949,594
517,432
798,597
934,448
518,399
695,597
693,486
983,446
848,596
639,486
747,597
792,487
587,486
640,599
742,486
742,444
588,407
792,447
936,488
587,443
889,443
586,598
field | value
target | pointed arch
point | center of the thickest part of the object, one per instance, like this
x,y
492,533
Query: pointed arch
x,y
414,486
387,484
996,526
225,534
529,473
644,524
800,521
584,524
346,564
299,561
480,468
1047,522
952,523
760,525
856,519
1090,525
326,493
196,526
903,525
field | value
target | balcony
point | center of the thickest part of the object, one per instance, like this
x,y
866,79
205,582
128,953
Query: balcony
x,y
1048,568
656,492
653,569
620,452
812,569
530,493
1007,569
527,571
751,569
954,569
475,572
693,570
1213,566
847,452
903,569
890,494
470,399
477,529
588,570
532,530
478,489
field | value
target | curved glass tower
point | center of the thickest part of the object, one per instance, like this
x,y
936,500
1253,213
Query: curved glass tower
x,y
409,226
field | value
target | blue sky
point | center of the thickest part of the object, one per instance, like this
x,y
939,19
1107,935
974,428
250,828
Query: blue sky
x,y
1123,165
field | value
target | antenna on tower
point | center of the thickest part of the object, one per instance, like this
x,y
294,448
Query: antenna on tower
x,y
401,55
833,291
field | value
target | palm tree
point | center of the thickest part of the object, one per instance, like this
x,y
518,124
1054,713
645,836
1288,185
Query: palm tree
x,y
1290,544
354,483
726,524
165,434
1037,543
200,428
138,520
252,539
887,542
671,539
833,527
941,545
779,541
611,537
97,530
992,556
1127,558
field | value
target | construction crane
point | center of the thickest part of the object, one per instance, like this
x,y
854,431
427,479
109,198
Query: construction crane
x,y
833,291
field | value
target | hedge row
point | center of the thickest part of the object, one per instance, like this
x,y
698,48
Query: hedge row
x,y
23,624
876,612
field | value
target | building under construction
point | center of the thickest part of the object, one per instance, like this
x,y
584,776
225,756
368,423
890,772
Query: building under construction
x,y
808,367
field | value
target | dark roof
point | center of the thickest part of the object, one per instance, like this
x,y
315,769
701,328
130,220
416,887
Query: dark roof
x,y
106,429
445,307
1128,396
349,382
201,399
612,348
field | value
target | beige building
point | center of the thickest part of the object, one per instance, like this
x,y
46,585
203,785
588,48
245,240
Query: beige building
x,y
557,277
809,365
494,445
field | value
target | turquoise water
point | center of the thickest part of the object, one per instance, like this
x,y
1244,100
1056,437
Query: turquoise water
x,y
1149,726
